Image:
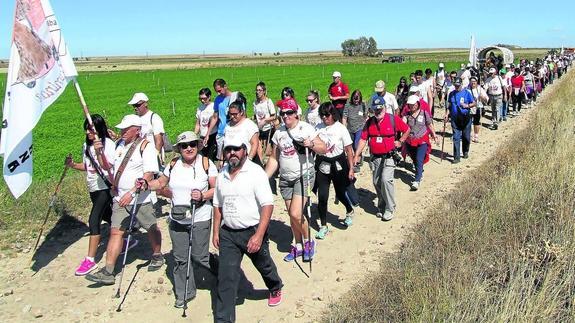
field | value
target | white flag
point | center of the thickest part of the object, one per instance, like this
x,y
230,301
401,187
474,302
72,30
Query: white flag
x,y
40,68
473,52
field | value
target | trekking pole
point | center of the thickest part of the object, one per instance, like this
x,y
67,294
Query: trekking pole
x,y
443,140
132,216
308,203
189,259
50,205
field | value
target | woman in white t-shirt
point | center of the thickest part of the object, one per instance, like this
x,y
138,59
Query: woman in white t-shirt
x,y
265,117
312,114
97,168
296,172
243,127
203,116
191,179
335,165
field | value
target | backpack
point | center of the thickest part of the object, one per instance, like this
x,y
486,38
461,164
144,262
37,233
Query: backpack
x,y
205,163
166,144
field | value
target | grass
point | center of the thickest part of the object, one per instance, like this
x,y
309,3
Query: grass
x,y
498,251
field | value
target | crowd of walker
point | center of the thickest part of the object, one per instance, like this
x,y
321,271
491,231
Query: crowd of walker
x,y
229,167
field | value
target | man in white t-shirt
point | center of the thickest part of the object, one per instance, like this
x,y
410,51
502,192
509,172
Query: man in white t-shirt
x,y
425,88
496,90
141,162
243,206
391,105
152,123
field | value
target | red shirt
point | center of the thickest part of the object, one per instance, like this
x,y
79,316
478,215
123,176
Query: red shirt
x,y
380,137
516,81
424,106
340,89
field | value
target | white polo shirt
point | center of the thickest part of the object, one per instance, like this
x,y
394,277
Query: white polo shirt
x,y
139,164
242,198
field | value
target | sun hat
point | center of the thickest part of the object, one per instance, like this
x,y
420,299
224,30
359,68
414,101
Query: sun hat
x,y
138,97
129,121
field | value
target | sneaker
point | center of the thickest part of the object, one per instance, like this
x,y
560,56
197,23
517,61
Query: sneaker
x,y
133,243
102,276
180,303
293,253
504,119
275,298
379,215
348,221
465,155
387,215
322,232
86,267
308,251
456,160
156,262
415,186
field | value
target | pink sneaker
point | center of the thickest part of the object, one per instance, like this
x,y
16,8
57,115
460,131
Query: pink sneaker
x,y
86,267
275,298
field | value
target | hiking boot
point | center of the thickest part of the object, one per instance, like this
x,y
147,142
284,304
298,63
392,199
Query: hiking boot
x,y
387,215
156,262
415,186
308,251
322,232
102,276
456,160
275,298
293,253
133,243
86,267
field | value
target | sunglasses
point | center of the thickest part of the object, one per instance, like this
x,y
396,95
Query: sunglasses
x,y
289,113
203,98
229,149
356,98
310,100
137,105
185,145
235,114
325,115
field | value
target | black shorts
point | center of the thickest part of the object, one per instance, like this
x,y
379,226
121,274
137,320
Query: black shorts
x,y
477,117
211,149
265,134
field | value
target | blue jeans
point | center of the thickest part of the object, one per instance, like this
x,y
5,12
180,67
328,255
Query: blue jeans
x,y
461,136
504,110
417,154
355,136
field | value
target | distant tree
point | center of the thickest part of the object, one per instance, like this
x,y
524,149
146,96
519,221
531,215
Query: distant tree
x,y
359,47
372,47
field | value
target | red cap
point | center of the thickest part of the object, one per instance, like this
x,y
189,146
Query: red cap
x,y
287,104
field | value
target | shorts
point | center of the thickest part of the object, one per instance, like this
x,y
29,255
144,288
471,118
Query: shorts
x,y
220,152
290,188
265,134
144,214
477,117
211,149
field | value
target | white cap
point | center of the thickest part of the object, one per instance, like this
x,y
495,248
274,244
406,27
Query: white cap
x,y
379,86
336,74
137,98
441,65
129,121
412,99
234,141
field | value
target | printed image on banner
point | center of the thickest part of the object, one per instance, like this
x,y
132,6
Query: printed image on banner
x,y
40,67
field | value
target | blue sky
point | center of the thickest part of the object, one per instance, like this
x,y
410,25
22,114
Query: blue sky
x,y
130,27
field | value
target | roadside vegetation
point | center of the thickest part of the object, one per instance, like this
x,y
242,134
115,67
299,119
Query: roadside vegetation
x,y
500,248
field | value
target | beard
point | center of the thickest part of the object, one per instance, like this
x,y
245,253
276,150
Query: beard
x,y
235,162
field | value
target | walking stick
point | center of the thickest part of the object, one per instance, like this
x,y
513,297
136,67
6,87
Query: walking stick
x,y
189,259
308,204
52,201
132,216
443,140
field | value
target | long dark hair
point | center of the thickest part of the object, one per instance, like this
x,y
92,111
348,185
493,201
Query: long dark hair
x,y
100,127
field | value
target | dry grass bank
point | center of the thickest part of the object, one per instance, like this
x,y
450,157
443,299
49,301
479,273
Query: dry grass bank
x,y
501,248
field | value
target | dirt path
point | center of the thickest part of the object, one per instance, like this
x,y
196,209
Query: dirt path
x,y
344,258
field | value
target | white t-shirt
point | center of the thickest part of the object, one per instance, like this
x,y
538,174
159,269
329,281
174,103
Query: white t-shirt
x,y
184,179
440,78
479,96
494,85
204,115
264,110
242,198
336,137
423,87
151,125
312,116
139,164
245,130
290,162
94,181
465,78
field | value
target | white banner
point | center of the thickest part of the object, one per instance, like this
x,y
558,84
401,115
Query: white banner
x,y
473,52
40,68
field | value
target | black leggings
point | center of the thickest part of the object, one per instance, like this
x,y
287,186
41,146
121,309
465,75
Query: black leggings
x,y
101,210
340,183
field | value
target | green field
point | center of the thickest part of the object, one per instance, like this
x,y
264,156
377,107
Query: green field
x,y
60,129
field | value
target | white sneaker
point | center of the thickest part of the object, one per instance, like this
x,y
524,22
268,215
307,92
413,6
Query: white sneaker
x,y
387,215
415,186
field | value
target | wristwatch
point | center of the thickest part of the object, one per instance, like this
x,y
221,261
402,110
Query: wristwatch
x,y
133,194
